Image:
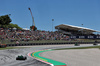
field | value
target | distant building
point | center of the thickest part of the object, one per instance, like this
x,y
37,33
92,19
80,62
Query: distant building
x,y
26,29
75,30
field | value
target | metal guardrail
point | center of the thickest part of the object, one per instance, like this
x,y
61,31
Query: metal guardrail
x,y
29,44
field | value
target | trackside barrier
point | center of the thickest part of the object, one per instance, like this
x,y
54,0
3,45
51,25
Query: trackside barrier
x,y
28,44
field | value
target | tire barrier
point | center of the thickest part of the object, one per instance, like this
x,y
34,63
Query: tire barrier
x,y
61,43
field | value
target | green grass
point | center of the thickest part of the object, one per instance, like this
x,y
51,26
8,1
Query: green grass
x,y
12,48
80,48
43,41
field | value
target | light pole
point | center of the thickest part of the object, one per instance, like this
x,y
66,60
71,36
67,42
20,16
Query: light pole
x,y
9,14
82,29
52,24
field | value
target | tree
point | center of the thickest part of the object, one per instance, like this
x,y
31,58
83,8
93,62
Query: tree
x,y
14,26
33,28
5,20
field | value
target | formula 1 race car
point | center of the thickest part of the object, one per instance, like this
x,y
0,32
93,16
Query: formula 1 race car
x,y
3,45
21,58
76,44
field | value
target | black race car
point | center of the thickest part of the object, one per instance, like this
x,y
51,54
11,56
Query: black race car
x,y
21,58
76,44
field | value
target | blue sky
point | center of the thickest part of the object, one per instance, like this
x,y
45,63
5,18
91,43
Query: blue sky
x,y
72,12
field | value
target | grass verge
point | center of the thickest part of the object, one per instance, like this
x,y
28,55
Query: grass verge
x,y
12,48
79,48
44,41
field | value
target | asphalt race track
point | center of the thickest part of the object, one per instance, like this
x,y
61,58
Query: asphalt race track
x,y
75,57
8,57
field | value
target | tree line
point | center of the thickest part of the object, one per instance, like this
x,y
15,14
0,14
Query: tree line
x,y
5,22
